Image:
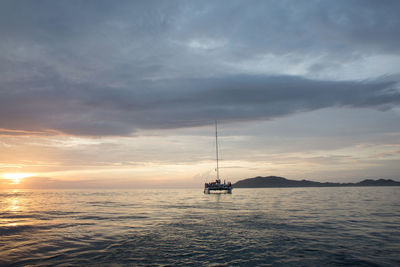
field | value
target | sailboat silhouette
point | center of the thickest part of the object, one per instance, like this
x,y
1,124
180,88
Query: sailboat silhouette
x,y
217,186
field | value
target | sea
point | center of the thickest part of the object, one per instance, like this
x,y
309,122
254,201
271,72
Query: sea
x,y
343,226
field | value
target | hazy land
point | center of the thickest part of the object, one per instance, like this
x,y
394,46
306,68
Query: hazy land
x,y
274,181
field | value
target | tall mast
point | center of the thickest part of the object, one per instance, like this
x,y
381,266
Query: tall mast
x,y
216,147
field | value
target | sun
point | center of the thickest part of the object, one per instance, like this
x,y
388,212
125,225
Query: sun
x,y
17,177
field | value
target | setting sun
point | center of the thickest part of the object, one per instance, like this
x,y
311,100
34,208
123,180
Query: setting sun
x,y
17,177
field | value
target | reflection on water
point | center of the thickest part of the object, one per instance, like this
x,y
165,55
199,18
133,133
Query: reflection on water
x,y
295,226
14,204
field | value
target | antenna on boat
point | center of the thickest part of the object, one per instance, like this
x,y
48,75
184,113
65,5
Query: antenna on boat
x,y
216,147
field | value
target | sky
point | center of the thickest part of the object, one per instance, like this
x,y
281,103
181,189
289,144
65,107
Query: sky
x,y
125,93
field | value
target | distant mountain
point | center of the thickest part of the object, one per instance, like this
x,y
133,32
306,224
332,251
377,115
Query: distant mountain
x,y
274,181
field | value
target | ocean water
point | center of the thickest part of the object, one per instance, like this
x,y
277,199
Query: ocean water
x,y
357,226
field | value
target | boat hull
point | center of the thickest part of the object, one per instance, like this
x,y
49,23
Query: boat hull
x,y
218,190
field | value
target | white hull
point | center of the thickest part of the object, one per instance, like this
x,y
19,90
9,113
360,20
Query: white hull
x,y
217,190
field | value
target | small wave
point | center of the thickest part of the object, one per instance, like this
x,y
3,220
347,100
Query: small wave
x,y
61,213
12,230
112,217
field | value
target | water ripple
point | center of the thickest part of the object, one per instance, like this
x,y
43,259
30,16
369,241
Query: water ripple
x,y
276,227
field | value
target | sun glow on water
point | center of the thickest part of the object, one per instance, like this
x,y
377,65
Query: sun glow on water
x,y
17,177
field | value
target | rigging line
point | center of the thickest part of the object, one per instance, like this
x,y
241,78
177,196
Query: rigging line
x,y
216,147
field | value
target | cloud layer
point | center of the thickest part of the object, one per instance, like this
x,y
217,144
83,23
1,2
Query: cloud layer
x,y
102,68
82,109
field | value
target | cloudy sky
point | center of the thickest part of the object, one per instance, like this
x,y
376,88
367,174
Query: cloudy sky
x,y
125,93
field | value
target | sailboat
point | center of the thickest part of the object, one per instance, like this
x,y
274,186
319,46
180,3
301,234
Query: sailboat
x,y
217,186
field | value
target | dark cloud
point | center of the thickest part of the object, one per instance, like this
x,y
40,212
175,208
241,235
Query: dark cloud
x,y
268,26
151,39
83,109
103,68
292,26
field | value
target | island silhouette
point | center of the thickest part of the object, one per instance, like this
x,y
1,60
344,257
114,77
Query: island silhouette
x,y
275,181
